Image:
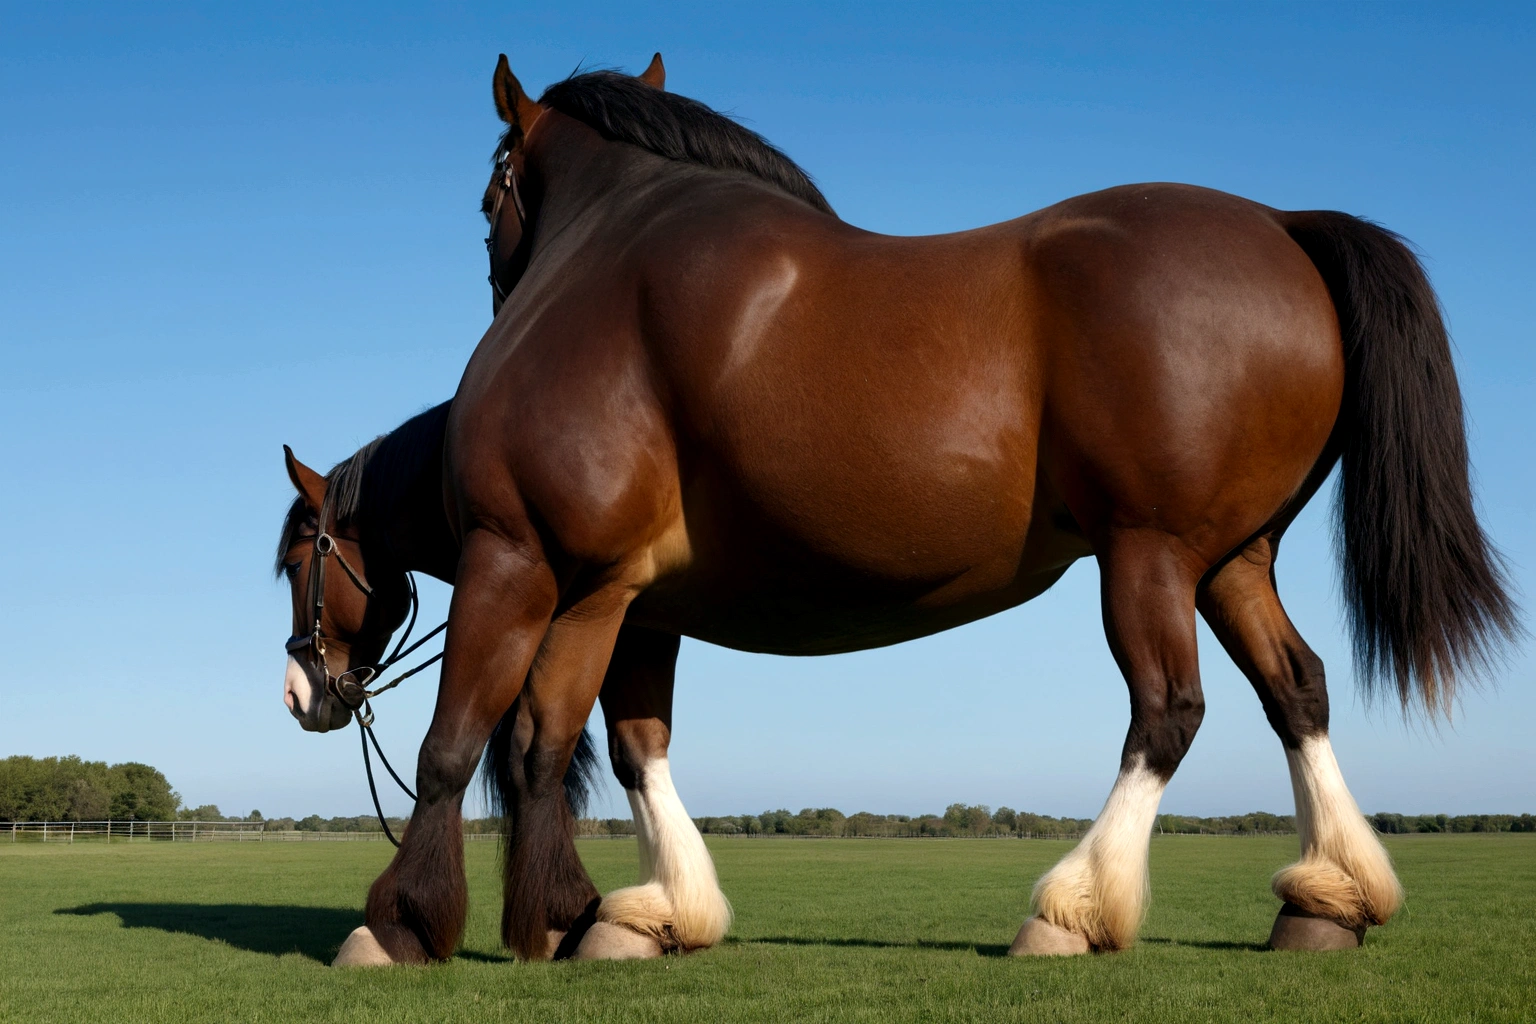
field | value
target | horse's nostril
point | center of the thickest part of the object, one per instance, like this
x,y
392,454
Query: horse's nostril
x,y
288,699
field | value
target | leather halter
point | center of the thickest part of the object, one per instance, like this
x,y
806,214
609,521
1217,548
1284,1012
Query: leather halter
x,y
507,186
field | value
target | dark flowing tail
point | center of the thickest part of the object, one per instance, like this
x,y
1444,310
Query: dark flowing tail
x,y
1426,591
500,771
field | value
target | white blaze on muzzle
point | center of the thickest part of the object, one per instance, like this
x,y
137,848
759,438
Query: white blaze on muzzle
x,y
316,710
298,691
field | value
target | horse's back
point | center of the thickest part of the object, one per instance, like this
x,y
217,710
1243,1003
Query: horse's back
x,y
1150,341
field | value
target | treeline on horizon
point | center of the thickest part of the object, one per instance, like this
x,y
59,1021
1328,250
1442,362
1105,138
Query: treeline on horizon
x,y
72,789
980,821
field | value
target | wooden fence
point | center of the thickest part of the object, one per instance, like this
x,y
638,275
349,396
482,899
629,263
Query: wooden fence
x,y
179,832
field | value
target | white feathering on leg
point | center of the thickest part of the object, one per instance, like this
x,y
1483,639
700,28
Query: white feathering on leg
x,y
678,900
1344,872
1099,890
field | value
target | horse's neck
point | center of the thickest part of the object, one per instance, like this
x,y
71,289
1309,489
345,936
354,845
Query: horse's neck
x,y
573,168
417,530
404,513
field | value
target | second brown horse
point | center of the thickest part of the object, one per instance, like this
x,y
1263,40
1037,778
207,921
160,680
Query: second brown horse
x,y
707,407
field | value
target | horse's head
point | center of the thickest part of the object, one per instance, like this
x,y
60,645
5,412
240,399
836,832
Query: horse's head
x,y
347,598
503,203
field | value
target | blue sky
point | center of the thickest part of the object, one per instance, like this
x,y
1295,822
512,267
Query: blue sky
x,y
229,227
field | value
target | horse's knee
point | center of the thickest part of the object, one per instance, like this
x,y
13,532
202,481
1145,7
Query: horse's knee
x,y
445,769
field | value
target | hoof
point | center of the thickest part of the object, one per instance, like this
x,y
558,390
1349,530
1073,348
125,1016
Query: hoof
x,y
361,950
607,941
553,939
1298,929
1039,937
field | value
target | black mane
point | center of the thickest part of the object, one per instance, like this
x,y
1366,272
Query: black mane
x,y
375,472
624,109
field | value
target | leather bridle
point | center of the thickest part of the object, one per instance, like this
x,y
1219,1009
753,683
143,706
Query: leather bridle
x,y
507,186
351,686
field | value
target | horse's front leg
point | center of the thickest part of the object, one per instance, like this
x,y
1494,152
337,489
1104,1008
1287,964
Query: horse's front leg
x,y
501,609
549,900
1094,897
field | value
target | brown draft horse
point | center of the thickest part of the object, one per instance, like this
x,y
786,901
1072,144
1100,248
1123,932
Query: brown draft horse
x,y
708,407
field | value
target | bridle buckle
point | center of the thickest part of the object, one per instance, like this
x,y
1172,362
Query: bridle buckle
x,y
351,687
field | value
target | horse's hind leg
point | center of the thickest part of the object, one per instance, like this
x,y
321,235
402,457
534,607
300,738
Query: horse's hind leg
x,y
1094,897
1344,880
678,903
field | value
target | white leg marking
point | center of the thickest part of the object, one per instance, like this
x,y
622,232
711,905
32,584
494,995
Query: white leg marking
x,y
1099,890
678,899
1344,872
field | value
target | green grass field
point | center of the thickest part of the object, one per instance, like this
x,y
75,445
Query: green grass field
x,y
858,930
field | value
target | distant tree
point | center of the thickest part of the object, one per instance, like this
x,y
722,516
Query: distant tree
x,y
207,812
142,793
72,789
967,820
89,800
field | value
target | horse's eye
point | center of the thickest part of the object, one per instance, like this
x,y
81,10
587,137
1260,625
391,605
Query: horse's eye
x,y
291,570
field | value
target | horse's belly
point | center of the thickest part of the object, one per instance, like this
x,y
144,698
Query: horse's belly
x,y
772,598
777,622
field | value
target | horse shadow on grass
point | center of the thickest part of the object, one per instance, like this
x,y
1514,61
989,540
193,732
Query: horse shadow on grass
x,y
313,932
979,948
1245,947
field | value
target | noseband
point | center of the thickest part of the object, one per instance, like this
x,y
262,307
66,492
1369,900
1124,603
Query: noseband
x,y
507,186
351,686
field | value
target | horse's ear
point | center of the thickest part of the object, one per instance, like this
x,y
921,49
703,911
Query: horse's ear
x,y
655,76
309,484
512,104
